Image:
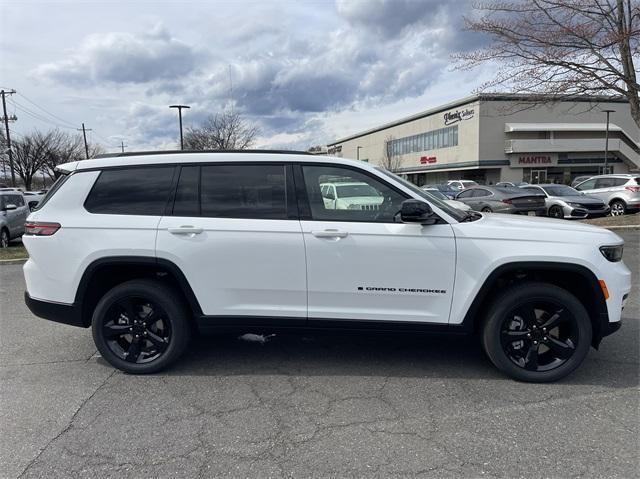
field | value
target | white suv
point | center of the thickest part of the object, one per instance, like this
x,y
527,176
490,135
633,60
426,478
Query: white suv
x,y
146,249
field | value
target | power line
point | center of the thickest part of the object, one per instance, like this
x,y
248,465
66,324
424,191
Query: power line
x,y
37,116
44,110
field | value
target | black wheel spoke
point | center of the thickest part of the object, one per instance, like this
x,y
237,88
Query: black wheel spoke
x,y
553,321
561,349
528,316
112,331
129,308
134,351
157,341
531,359
514,335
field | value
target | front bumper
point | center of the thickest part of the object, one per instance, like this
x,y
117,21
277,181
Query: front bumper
x,y
572,212
58,312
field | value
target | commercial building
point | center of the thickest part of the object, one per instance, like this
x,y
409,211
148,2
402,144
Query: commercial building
x,y
503,137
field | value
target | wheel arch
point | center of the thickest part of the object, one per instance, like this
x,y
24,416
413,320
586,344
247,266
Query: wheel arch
x,y
577,279
105,273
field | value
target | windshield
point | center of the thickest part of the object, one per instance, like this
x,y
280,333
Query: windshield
x,y
561,190
351,191
459,215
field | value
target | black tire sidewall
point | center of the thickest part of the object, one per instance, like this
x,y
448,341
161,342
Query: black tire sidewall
x,y
4,234
556,208
512,298
159,294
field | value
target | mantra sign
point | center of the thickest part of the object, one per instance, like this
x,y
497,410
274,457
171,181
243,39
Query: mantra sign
x,y
535,160
428,160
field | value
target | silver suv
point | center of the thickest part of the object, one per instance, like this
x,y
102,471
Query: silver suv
x,y
13,213
620,192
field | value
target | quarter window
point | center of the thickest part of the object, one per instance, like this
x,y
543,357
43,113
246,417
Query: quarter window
x,y
131,191
359,197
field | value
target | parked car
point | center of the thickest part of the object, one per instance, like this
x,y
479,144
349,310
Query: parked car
x,y
565,202
461,184
13,213
33,198
511,184
579,179
445,189
494,199
350,195
456,204
146,249
620,192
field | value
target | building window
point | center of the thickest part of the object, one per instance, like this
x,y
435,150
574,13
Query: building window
x,y
432,140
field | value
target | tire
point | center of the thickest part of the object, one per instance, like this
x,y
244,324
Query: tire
x,y
4,238
536,332
556,212
141,345
618,208
486,209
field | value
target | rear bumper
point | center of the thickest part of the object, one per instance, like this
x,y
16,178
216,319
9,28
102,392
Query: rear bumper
x,y
58,312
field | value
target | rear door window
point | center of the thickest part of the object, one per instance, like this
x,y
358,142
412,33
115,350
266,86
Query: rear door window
x,y
131,191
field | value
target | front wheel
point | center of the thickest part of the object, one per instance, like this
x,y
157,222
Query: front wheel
x,y
537,332
486,209
4,238
556,212
141,326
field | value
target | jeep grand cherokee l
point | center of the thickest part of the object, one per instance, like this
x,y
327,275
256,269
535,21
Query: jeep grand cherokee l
x,y
145,249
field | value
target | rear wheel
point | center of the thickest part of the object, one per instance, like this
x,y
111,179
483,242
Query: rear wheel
x,y
4,238
486,209
537,332
141,326
556,212
617,208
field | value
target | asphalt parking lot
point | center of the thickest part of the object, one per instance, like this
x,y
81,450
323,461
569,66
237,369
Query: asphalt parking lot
x,y
310,406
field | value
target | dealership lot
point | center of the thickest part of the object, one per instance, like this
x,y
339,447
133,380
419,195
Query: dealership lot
x,y
302,406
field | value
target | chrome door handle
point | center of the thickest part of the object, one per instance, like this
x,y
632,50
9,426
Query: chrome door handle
x,y
330,234
185,230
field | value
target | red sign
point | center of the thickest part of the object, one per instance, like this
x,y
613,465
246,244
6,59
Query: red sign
x,y
534,160
427,160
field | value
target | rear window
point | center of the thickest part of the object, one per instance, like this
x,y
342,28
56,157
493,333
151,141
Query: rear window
x,y
131,191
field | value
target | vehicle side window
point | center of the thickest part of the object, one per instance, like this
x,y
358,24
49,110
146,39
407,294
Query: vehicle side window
x,y
479,192
587,185
604,182
243,191
18,200
131,191
620,181
359,197
465,194
187,200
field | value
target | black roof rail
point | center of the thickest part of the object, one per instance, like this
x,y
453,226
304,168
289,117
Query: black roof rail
x,y
173,152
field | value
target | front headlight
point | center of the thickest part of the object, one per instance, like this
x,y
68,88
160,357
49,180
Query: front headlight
x,y
575,205
612,253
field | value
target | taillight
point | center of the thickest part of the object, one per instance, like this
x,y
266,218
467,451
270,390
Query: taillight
x,y
508,201
635,189
37,228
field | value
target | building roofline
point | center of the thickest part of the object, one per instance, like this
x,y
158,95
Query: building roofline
x,y
482,97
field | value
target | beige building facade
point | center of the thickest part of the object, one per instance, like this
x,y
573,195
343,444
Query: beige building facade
x,y
503,137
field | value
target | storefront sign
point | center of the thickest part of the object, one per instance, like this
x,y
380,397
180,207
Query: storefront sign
x,y
428,160
535,160
335,149
452,117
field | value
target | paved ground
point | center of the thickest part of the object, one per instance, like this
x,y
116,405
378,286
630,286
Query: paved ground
x,y
309,406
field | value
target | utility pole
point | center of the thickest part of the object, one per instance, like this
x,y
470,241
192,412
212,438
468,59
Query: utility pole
x,y
84,134
180,107
122,145
6,127
606,142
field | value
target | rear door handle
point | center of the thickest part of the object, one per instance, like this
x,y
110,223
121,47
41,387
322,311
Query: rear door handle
x,y
330,234
185,230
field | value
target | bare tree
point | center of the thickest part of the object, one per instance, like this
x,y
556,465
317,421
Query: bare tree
x,y
390,161
557,48
65,147
223,131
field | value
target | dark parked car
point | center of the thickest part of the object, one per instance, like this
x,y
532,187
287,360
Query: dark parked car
x,y
446,190
565,202
495,199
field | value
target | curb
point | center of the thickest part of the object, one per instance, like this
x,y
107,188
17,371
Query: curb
x,y
13,261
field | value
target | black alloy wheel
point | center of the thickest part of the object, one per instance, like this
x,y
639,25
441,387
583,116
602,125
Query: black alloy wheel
x,y
4,239
556,212
537,332
141,326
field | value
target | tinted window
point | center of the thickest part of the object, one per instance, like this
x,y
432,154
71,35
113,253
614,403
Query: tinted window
x,y
620,181
187,201
587,185
466,194
243,191
605,182
478,193
18,200
131,191
367,198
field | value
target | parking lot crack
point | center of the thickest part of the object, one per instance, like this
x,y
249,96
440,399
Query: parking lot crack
x,y
68,426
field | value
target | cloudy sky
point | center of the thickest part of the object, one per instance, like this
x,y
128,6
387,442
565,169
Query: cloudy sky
x,y
306,72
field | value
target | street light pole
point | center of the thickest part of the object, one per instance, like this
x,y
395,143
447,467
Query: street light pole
x,y
606,141
180,107
358,152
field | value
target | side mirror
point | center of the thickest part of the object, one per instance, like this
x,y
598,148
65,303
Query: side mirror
x,y
10,206
416,211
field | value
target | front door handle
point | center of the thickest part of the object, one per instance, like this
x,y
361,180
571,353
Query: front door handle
x,y
330,234
185,230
